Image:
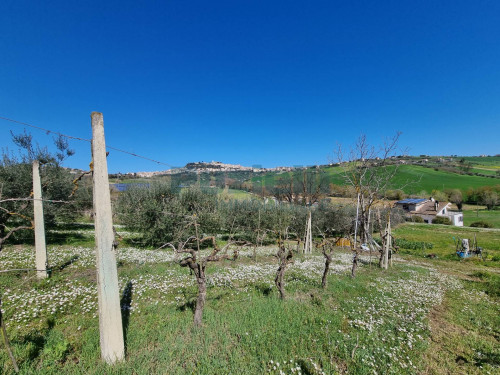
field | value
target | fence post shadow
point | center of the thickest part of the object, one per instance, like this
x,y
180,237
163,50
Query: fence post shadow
x,y
125,305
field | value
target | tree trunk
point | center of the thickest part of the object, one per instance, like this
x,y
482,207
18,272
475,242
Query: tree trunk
x,y
354,264
200,301
328,260
279,280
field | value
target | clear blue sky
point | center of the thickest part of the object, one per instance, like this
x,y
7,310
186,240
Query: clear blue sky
x,y
253,82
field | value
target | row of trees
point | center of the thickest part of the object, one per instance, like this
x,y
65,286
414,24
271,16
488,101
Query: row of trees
x,y
158,212
488,196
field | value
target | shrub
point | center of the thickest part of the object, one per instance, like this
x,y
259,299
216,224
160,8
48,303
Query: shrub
x,y
481,224
417,219
395,194
441,220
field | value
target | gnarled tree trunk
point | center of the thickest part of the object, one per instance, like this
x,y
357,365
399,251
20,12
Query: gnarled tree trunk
x,y
200,301
284,259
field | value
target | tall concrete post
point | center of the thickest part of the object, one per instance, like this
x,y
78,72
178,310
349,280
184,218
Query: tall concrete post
x,y
40,245
387,242
308,238
110,319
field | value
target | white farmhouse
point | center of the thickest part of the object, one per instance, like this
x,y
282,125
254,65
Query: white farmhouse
x,y
429,209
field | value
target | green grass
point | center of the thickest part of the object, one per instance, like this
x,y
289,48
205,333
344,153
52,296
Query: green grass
x,y
414,178
491,217
485,170
377,321
466,328
442,238
489,162
237,194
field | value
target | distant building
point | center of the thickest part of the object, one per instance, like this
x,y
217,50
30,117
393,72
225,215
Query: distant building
x,y
429,209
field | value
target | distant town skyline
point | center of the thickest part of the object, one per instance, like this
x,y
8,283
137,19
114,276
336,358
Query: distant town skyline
x,y
259,83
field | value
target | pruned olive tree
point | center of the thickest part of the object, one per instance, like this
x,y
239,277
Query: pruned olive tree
x,y
327,246
197,263
285,257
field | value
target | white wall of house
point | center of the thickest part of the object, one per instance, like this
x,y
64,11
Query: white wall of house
x,y
457,219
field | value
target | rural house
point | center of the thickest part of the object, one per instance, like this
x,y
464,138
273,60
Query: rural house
x,y
429,209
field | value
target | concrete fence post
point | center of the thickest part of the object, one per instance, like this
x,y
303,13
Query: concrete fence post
x,y
110,319
40,244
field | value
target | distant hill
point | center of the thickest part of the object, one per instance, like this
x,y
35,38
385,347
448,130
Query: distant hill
x,y
415,173
414,178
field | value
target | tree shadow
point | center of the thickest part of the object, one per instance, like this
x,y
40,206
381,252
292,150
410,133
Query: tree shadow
x,y
126,304
189,305
265,289
68,263
53,238
38,340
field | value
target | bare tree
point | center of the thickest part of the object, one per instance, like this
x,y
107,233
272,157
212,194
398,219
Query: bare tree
x,y
369,171
306,186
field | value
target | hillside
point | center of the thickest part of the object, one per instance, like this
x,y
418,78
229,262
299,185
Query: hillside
x,y
415,174
414,178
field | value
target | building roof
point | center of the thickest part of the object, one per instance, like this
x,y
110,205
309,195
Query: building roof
x,y
411,201
429,208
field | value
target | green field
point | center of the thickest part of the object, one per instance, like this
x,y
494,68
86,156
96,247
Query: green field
x,y
442,238
239,194
491,217
415,179
428,179
489,172
492,162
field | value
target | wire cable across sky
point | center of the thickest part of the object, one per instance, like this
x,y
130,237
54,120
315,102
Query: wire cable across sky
x,y
48,131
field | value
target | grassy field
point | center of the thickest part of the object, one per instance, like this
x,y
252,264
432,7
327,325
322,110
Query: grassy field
x,y
237,194
407,320
415,179
491,217
442,238
492,162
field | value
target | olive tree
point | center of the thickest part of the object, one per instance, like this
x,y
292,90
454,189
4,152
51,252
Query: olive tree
x,y
16,185
157,210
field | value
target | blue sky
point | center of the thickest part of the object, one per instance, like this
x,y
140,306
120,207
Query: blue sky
x,y
252,82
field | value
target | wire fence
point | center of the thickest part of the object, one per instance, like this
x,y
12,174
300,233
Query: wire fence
x,y
49,131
